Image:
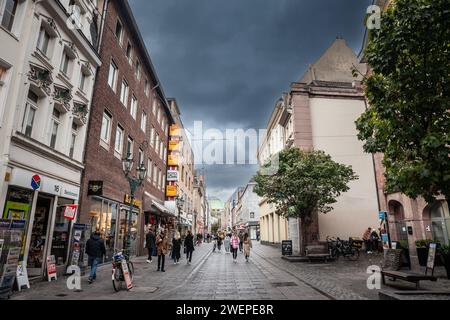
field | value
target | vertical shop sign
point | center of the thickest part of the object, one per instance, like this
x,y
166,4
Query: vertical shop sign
x,y
126,274
70,212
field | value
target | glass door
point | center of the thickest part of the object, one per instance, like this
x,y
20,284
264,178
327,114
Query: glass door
x,y
60,240
39,236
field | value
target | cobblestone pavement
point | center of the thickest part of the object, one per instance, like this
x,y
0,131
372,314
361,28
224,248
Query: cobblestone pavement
x,y
215,276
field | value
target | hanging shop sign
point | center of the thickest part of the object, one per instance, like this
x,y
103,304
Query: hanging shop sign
x,y
172,191
382,215
174,131
173,160
136,203
70,212
95,188
174,145
173,175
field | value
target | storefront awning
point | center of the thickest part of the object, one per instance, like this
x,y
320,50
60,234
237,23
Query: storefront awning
x,y
156,208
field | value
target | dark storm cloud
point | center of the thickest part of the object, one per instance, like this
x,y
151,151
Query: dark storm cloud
x,y
227,62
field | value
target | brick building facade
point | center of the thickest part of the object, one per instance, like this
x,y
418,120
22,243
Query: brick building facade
x,y
130,114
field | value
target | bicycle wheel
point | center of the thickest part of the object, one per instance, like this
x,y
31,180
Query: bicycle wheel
x,y
117,279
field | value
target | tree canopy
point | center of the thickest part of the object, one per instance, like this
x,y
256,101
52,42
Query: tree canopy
x,y
306,182
408,118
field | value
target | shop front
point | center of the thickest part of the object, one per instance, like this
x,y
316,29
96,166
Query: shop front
x,y
48,207
111,218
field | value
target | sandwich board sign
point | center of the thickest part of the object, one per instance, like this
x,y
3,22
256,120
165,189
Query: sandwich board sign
x,y
126,274
51,268
22,276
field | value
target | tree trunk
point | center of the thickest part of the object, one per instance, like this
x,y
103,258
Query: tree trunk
x,y
304,225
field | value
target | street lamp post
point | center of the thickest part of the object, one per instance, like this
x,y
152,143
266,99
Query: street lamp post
x,y
134,182
180,203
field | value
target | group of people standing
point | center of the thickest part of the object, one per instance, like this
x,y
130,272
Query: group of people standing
x,y
233,243
371,240
160,244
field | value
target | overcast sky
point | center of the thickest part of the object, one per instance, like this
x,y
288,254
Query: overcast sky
x,y
227,62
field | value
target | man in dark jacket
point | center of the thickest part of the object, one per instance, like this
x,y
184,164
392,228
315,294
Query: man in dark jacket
x,y
189,246
150,243
95,249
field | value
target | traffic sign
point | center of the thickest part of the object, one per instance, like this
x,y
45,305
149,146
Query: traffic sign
x,y
35,182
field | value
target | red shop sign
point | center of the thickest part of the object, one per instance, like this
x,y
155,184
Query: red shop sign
x,y
70,212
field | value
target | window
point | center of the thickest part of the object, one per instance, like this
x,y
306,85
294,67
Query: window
x,y
30,113
105,133
65,61
155,174
159,179
149,166
146,87
157,143
138,70
55,127
154,106
118,145
152,136
144,122
141,157
124,93
165,155
43,41
252,215
161,149
129,53
163,182
130,145
8,12
133,109
112,77
83,79
158,114
119,31
72,144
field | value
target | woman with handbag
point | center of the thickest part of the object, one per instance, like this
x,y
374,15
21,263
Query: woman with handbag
x,y
247,246
161,246
189,246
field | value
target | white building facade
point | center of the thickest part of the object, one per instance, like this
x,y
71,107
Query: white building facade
x,y
44,117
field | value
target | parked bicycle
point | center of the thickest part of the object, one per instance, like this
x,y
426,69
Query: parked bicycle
x,y
348,249
118,273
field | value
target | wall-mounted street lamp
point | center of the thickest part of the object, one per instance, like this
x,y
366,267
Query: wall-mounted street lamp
x,y
134,182
180,203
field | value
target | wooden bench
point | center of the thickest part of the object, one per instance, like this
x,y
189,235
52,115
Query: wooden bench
x,y
406,276
391,269
319,251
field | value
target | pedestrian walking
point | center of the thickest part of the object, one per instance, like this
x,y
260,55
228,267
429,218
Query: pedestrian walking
x,y
161,247
189,246
95,249
227,243
214,237
241,241
247,246
176,248
367,242
219,242
235,246
150,243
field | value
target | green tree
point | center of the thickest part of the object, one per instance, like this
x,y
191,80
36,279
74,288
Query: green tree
x,y
307,182
408,92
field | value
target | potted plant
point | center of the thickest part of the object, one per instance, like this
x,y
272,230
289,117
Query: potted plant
x,y
445,258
